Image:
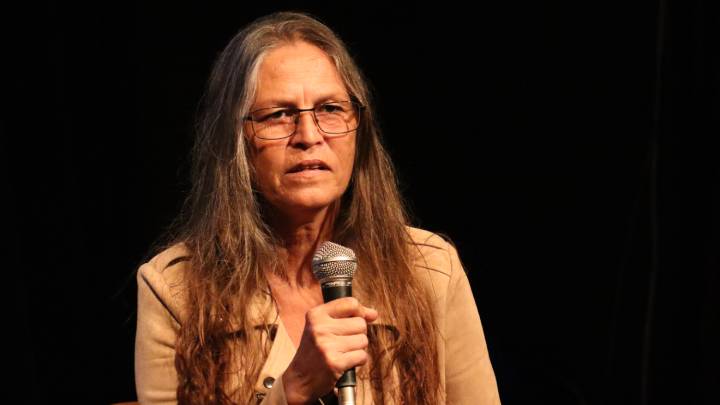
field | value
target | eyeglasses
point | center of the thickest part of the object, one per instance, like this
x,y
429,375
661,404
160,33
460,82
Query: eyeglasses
x,y
334,119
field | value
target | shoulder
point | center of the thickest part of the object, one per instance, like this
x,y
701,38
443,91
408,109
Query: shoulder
x,y
164,276
433,252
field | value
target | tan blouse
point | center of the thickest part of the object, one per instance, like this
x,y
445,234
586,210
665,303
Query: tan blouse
x,y
466,374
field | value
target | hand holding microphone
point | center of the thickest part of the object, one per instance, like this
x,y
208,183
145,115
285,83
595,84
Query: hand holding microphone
x,y
335,335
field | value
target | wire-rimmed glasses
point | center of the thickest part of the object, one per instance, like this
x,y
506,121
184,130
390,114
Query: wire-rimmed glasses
x,y
335,118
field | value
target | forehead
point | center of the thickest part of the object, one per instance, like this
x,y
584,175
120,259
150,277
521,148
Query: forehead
x,y
297,74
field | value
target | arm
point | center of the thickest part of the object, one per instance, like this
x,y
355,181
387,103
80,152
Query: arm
x,y
156,379
155,375
469,375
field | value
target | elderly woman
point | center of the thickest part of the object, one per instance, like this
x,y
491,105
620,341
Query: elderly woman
x,y
288,155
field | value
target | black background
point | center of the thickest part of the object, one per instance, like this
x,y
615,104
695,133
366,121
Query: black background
x,y
580,184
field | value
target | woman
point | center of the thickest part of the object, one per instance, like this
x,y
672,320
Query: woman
x,y
288,155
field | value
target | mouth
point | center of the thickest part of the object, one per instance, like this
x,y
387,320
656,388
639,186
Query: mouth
x,y
309,165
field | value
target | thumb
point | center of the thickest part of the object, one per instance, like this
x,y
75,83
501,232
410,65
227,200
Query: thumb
x,y
370,314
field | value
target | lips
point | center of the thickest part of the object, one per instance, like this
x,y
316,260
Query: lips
x,y
314,164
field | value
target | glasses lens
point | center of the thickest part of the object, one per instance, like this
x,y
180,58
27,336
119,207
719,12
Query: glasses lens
x,y
273,123
337,118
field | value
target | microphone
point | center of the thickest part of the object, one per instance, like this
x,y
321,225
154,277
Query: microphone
x,y
334,266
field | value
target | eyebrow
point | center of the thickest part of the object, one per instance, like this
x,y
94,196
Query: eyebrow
x,y
278,102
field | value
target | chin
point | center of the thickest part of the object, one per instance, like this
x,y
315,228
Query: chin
x,y
310,200
310,203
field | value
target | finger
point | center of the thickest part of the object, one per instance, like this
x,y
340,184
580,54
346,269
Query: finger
x,y
352,343
349,326
352,359
370,314
344,308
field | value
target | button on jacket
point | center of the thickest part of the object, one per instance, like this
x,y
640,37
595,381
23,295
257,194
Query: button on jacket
x,y
466,373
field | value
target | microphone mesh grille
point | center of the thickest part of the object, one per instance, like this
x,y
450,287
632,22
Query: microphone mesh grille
x,y
333,261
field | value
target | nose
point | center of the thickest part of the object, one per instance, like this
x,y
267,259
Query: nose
x,y
307,132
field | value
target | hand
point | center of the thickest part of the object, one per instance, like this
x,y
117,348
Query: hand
x,y
334,340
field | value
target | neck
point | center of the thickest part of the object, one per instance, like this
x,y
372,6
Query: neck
x,y
301,234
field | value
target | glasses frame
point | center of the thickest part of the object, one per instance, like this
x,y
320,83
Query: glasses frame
x,y
297,111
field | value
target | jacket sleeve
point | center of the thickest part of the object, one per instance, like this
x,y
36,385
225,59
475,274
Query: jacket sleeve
x,y
469,376
155,376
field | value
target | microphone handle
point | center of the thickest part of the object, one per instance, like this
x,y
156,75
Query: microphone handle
x,y
346,384
335,289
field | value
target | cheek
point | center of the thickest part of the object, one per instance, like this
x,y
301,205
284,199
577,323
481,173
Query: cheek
x,y
268,166
267,169
348,159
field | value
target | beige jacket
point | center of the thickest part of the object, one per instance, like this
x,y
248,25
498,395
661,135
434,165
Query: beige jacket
x,y
466,374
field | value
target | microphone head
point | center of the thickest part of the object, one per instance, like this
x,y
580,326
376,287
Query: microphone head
x,y
333,262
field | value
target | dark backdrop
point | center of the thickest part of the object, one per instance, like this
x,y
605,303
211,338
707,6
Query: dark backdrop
x,y
580,182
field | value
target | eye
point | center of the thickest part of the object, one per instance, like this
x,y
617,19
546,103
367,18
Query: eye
x,y
271,116
331,108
